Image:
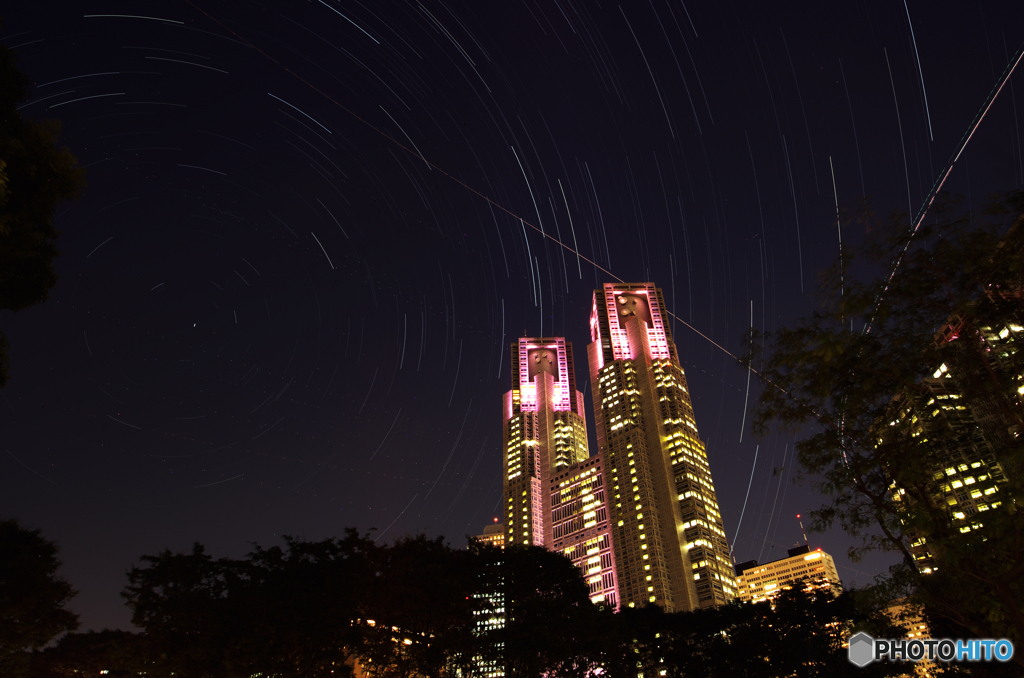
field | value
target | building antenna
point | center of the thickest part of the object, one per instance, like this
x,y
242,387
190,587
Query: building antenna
x,y
802,532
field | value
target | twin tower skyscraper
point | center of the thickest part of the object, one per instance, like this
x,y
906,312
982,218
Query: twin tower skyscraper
x,y
640,518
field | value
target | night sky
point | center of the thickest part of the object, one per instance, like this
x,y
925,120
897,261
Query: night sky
x,y
313,228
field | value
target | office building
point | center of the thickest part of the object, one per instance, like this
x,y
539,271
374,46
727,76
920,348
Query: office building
x,y
814,570
544,429
489,615
669,540
580,528
554,493
967,474
911,617
964,420
493,534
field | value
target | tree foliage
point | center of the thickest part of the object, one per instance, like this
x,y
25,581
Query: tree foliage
x,y
35,176
32,596
281,611
799,634
416,616
413,608
115,654
181,601
295,606
406,609
551,627
857,380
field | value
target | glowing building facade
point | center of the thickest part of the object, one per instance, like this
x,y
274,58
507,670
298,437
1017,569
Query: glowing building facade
x,y
489,618
493,535
966,416
670,544
580,527
966,433
544,429
554,493
813,570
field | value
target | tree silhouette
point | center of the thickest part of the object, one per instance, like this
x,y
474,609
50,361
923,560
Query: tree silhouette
x,y
415,608
32,596
35,176
856,381
112,653
180,601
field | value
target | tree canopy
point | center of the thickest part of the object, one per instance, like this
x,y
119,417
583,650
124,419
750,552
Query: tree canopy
x,y
110,653
35,176
280,611
798,634
33,598
909,372
420,608
410,608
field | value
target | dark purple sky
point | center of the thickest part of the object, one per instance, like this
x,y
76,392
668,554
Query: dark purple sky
x,y
274,318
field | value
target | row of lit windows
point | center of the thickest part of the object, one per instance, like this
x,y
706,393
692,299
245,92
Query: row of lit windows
x,y
589,503
772,583
683,437
682,445
789,571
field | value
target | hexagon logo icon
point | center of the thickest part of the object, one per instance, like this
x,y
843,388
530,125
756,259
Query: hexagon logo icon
x,y
861,650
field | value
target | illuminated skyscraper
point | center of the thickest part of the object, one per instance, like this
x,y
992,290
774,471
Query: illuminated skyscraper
x,y
545,430
670,544
962,432
554,493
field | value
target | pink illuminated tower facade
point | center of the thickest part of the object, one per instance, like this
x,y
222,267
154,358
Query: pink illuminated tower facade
x,y
554,493
670,543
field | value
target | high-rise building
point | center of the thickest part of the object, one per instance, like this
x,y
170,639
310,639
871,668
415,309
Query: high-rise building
x,y
814,570
669,541
544,430
964,419
964,432
489,615
554,493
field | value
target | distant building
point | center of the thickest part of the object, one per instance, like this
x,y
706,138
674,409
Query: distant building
x,y
489,617
493,534
964,433
910,617
966,416
544,430
669,541
814,570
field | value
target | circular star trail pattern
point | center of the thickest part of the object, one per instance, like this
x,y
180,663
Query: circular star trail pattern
x,y
312,230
